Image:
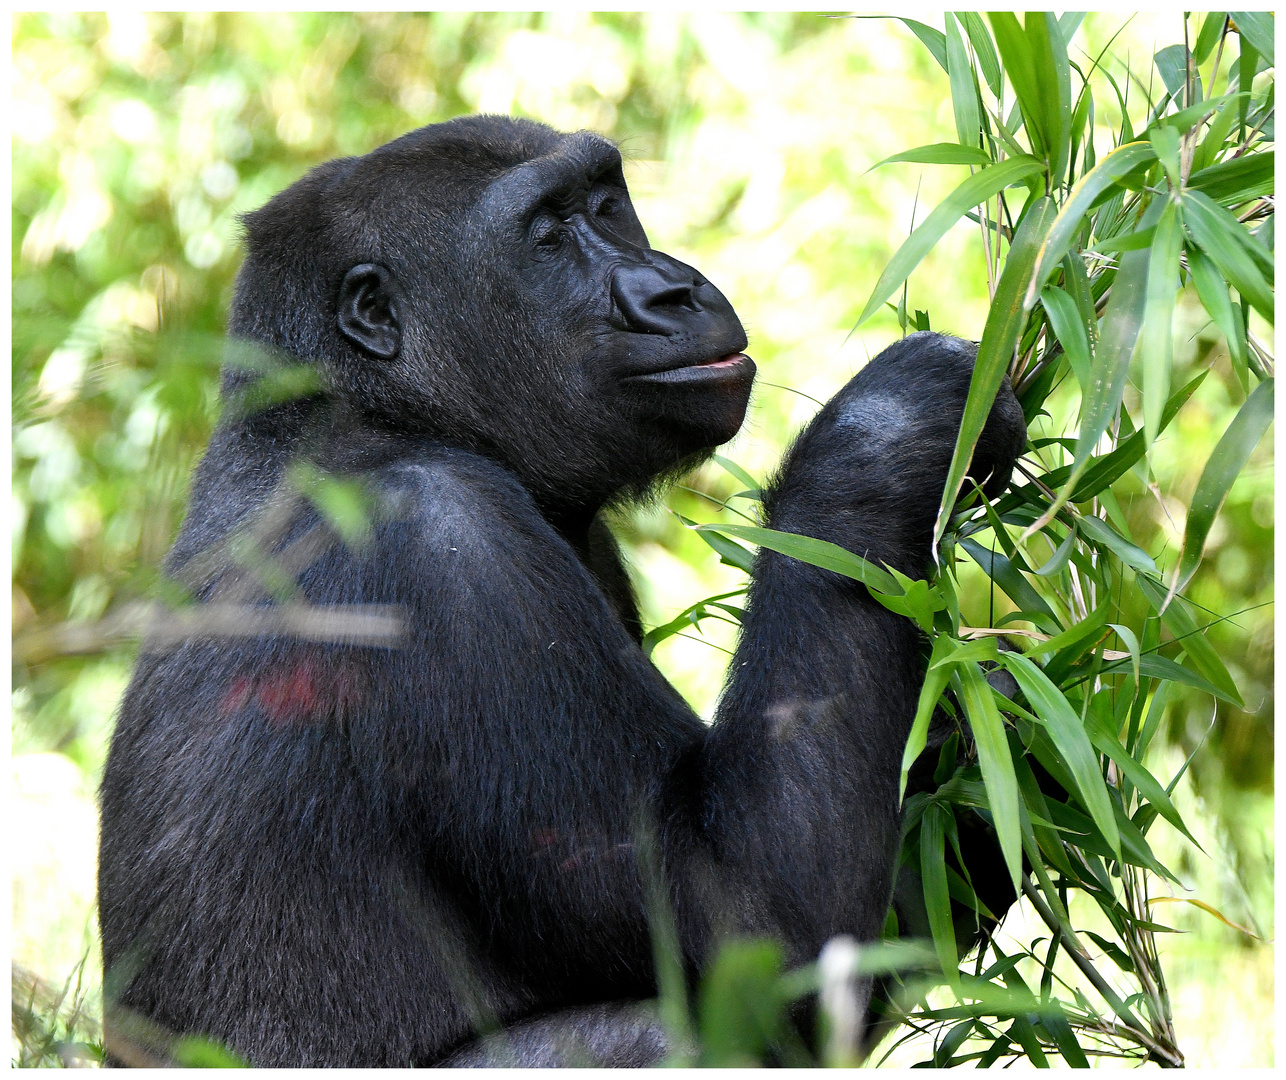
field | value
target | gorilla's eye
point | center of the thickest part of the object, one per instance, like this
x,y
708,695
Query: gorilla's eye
x,y
607,202
547,231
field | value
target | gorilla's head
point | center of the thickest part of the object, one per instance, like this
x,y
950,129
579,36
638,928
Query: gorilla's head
x,y
486,282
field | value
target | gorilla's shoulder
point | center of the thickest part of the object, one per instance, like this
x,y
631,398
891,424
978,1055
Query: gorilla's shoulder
x,y
454,501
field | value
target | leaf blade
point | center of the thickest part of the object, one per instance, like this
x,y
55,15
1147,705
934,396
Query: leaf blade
x,y
976,190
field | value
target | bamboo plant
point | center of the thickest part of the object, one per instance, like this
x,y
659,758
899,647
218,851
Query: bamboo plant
x,y
1088,245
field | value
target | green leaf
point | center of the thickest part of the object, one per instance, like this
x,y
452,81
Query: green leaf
x,y
1099,530
815,552
1060,557
1213,291
1069,736
982,47
1153,666
1225,240
939,154
937,898
933,40
731,553
997,766
1144,781
1106,469
1165,144
935,681
1056,1024
1131,241
964,93
1107,172
1186,119
1172,62
687,619
976,190
730,466
1016,56
1238,180
198,1052
740,1002
1069,22
1004,323
1226,462
1158,315
1211,31
1010,579
1121,324
1256,27
1184,628
1065,320
1132,643
1054,78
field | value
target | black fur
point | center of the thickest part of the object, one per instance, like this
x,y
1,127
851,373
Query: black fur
x,y
362,853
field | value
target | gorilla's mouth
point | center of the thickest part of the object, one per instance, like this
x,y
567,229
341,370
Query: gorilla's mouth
x,y
730,367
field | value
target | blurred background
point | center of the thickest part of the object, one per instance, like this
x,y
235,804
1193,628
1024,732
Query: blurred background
x,y
138,139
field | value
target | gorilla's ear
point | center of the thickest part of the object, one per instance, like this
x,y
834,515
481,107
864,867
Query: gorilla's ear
x,y
367,313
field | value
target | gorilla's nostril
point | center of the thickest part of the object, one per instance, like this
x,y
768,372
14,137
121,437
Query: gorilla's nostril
x,y
651,300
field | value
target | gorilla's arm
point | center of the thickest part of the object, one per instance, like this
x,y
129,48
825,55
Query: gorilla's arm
x,y
782,818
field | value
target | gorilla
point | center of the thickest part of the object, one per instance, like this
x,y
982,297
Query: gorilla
x,y
323,846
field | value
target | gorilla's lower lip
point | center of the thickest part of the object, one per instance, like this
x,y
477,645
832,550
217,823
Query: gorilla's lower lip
x,y
731,366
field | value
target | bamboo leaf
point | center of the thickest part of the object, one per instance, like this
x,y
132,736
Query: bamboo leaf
x,y
1099,530
1165,144
1121,324
1211,31
1053,75
1061,554
1226,462
731,467
1204,907
983,48
1105,470
935,681
1213,291
1225,240
964,93
1158,315
1132,643
939,154
1238,180
1010,579
1122,160
1149,787
1181,624
1256,27
1069,22
976,190
1016,56
1069,736
933,40
1065,320
997,766
810,550
1172,62
729,552
999,335
937,898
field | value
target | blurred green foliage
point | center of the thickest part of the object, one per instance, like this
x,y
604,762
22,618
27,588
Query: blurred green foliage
x,y
139,138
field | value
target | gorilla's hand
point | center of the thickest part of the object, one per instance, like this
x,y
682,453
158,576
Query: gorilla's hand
x,y
868,471
915,390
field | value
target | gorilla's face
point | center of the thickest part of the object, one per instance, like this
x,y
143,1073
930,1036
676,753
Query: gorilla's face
x,y
524,301
653,338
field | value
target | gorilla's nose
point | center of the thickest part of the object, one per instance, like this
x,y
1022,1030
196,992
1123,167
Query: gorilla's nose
x,y
652,299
